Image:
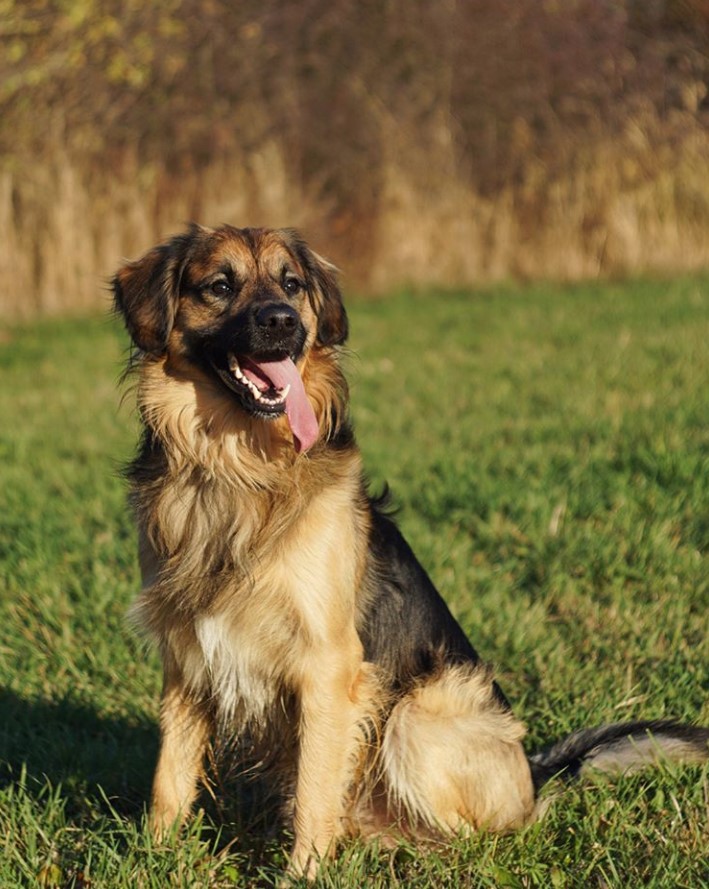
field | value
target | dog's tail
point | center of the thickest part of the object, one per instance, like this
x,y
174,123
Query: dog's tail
x,y
620,747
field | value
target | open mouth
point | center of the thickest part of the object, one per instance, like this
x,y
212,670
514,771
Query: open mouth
x,y
264,393
270,387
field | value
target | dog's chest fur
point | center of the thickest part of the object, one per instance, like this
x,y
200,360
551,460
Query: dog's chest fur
x,y
254,580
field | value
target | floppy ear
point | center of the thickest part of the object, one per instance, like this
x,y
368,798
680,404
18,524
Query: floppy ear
x,y
325,295
146,291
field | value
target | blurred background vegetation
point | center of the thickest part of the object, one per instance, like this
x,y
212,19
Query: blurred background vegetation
x,y
445,143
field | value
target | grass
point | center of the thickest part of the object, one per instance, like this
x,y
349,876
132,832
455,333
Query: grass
x,y
549,452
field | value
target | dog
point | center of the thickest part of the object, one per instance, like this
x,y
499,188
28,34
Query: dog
x,y
285,602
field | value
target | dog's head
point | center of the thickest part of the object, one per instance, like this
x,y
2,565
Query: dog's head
x,y
246,306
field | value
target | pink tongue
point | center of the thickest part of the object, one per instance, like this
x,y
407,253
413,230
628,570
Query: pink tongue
x,y
303,423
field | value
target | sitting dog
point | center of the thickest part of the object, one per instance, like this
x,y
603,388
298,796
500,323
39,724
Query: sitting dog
x,y
285,603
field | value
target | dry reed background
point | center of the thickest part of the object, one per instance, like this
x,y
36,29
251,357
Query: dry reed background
x,y
448,143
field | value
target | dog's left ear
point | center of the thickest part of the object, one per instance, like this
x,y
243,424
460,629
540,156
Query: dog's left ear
x,y
325,295
145,292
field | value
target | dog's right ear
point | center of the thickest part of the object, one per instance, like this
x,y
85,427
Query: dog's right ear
x,y
145,292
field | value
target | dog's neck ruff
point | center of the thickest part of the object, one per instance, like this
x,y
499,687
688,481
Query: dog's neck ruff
x,y
200,426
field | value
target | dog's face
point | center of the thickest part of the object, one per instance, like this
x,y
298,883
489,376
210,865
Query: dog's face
x,y
245,306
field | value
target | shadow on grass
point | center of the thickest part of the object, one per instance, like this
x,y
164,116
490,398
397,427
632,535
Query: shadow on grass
x,y
69,743
105,763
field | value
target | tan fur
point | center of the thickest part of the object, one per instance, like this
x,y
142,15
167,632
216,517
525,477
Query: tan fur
x,y
185,729
453,757
253,560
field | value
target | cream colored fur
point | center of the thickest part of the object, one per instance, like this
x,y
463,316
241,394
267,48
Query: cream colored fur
x,y
452,758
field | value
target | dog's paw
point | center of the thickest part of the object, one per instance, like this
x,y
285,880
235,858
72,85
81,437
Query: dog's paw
x,y
304,864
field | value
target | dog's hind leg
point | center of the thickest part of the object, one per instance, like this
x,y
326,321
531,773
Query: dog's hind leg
x,y
452,757
185,726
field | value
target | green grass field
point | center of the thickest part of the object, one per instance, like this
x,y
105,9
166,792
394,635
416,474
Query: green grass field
x,y
549,452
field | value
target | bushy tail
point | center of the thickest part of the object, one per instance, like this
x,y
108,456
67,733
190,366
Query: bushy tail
x,y
621,747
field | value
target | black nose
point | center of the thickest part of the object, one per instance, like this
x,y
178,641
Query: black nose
x,y
277,319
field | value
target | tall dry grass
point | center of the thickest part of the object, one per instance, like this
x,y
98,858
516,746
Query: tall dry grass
x,y
449,143
67,226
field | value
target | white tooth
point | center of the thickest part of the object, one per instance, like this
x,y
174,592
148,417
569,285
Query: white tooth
x,y
283,394
235,369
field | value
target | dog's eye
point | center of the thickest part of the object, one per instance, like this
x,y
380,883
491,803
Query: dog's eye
x,y
221,288
292,285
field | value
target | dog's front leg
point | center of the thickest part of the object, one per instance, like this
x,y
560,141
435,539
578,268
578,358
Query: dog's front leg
x,y
331,710
184,732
